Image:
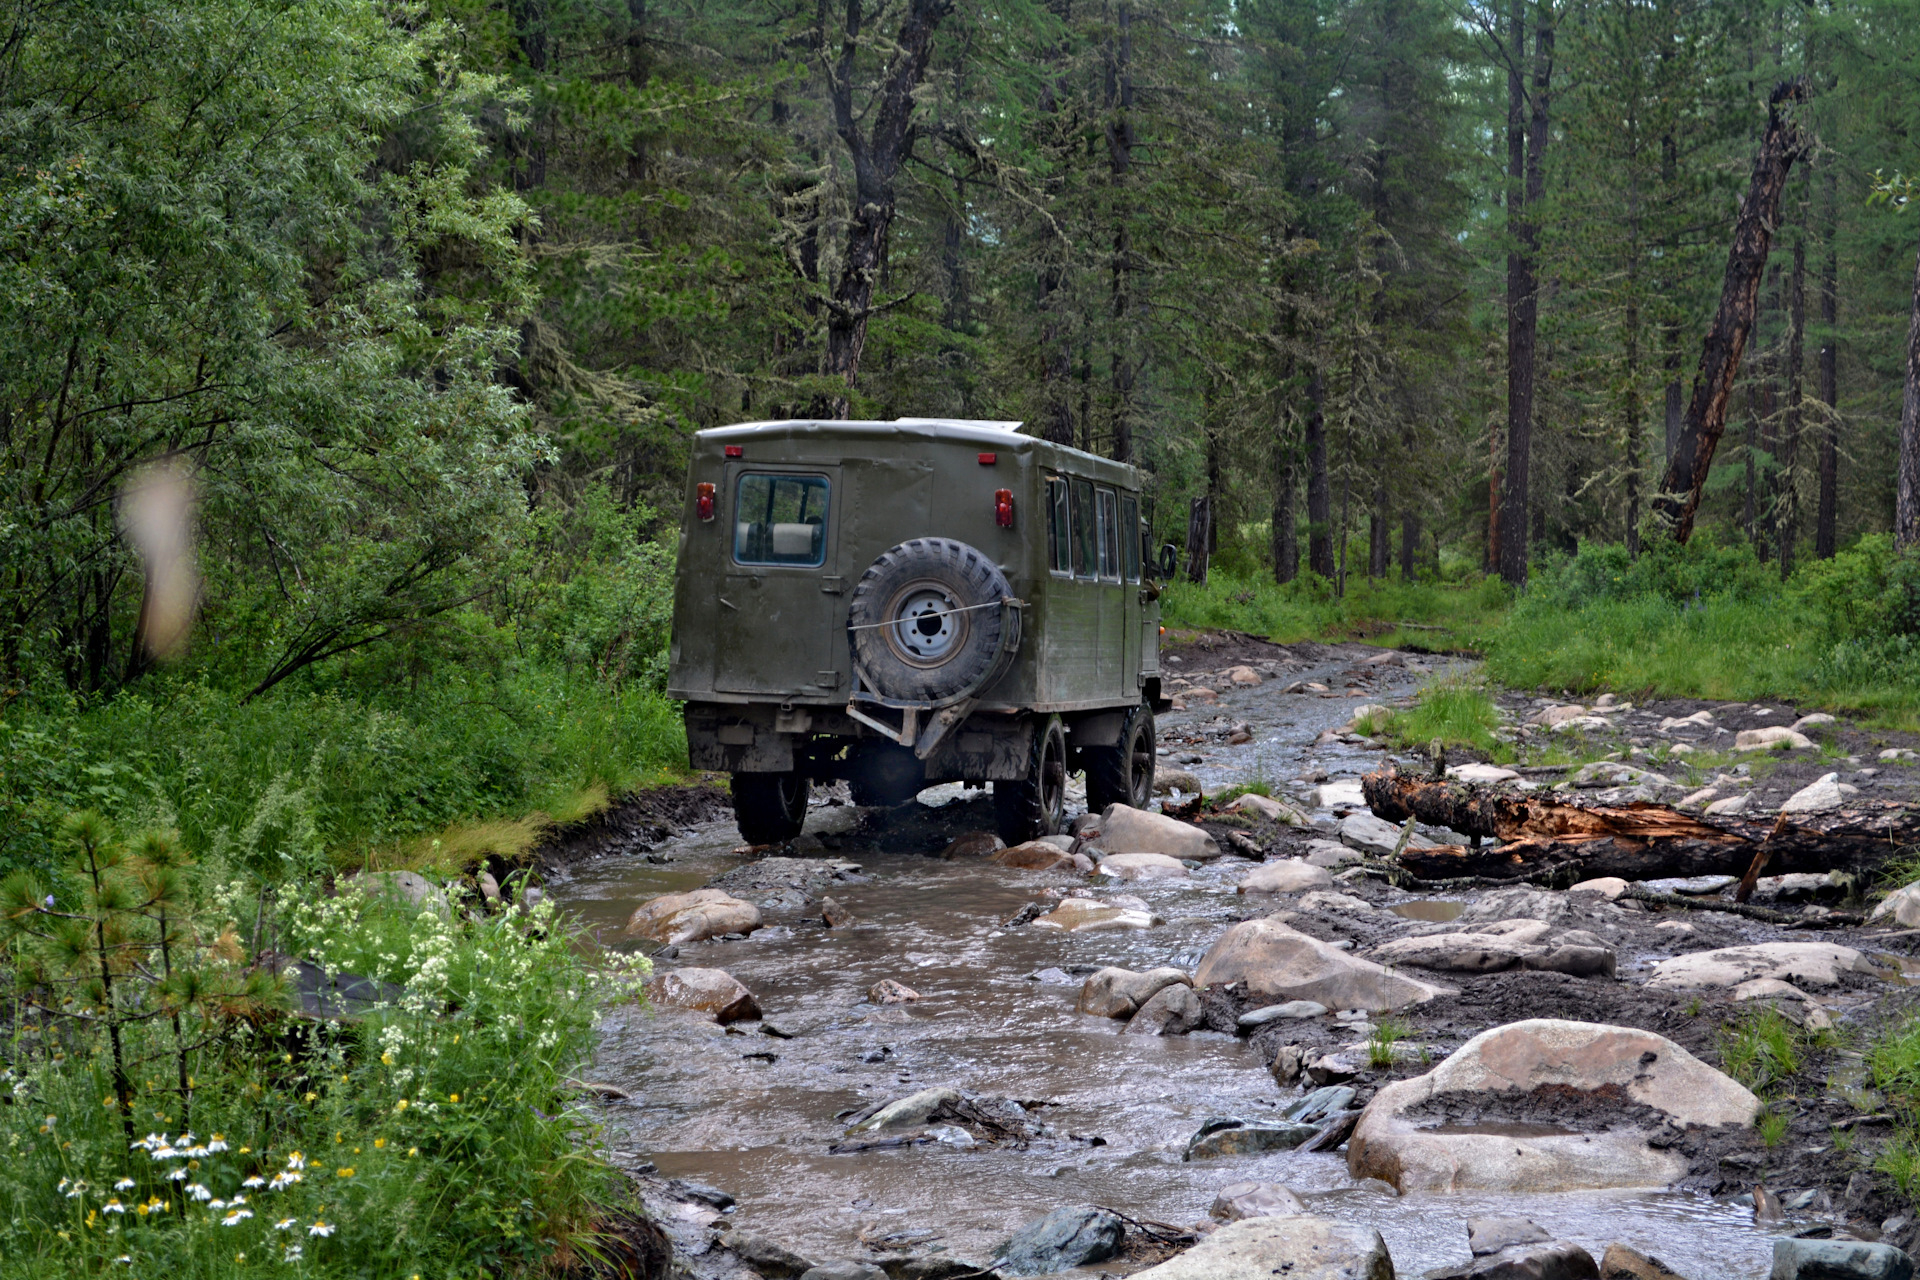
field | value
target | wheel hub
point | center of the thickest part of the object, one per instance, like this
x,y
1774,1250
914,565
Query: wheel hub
x,y
927,627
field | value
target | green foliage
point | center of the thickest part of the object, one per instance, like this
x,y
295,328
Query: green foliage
x,y
433,1135
1386,1033
1442,615
1454,713
1762,1050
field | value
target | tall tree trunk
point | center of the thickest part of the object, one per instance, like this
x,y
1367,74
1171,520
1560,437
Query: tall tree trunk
x,y
1409,542
1520,314
1676,405
1119,134
1726,339
1379,537
1769,372
1753,449
1906,493
1319,490
1789,486
878,155
1285,538
1826,530
1523,297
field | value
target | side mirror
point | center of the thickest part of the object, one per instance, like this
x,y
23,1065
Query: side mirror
x,y
1169,560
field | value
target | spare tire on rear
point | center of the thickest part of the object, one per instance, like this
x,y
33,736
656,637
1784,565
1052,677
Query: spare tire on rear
x,y
925,619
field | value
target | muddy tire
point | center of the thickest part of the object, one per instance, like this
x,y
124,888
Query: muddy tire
x,y
924,619
769,807
1037,806
1123,773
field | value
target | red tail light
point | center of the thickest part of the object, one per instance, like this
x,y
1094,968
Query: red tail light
x,y
1003,508
703,501
988,459
736,451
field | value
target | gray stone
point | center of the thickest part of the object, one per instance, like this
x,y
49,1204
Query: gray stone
x,y
1576,961
1124,829
1119,993
1297,1247
1331,854
1169,780
1838,1260
909,1112
1491,1235
845,1271
1281,963
1693,886
1238,1200
1902,904
1624,1262
1292,1009
1518,903
1611,773
764,1255
409,887
1172,1011
1801,963
1816,797
1070,1236
1288,875
1288,1062
1317,1106
1229,1136
1555,1260
1374,835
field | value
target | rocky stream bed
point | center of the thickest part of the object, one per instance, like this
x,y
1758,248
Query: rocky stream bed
x,y
896,1049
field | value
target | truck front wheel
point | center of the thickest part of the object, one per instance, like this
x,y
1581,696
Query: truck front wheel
x,y
1037,805
769,807
1123,773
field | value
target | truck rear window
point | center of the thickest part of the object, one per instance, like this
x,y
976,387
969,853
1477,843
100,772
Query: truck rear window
x,y
780,520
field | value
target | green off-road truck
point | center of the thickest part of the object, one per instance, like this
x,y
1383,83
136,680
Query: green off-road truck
x,y
912,602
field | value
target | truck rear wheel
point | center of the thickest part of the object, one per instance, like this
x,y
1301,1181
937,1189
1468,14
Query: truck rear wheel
x,y
1123,773
769,807
1037,805
925,619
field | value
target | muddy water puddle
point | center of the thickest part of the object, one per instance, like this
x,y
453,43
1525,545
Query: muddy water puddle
x,y
1430,909
754,1114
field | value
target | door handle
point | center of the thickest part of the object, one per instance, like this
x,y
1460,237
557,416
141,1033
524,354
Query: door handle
x,y
730,604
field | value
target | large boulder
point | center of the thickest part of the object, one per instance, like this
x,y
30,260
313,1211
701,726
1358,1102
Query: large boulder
x,y
1071,1236
409,887
1818,797
1838,1260
1238,1200
1624,1262
909,1112
1544,1105
713,991
1268,808
1090,915
1818,964
1119,993
974,844
1903,905
1331,853
1296,1246
1172,1011
1124,829
674,918
1505,944
1276,962
1142,866
1775,737
1040,855
1289,875
1373,835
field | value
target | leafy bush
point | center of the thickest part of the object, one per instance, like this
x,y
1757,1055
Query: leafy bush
x,y
173,1123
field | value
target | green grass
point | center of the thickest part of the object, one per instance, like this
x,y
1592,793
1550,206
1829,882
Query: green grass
x,y
1389,612
1453,712
1763,1049
1386,1033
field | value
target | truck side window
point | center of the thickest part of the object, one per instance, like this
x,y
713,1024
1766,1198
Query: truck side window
x,y
1131,535
780,520
1083,546
1059,525
1109,535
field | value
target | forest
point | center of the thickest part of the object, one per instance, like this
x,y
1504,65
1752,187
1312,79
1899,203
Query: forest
x,y
352,349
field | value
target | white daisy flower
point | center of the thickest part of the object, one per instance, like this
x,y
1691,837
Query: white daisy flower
x,y
77,1189
217,1204
164,1152
293,1253
125,1184
113,1206
255,1181
199,1192
218,1143
283,1224
235,1217
178,1175
320,1227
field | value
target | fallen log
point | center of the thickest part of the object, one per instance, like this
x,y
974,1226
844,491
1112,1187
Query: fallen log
x,y
1547,838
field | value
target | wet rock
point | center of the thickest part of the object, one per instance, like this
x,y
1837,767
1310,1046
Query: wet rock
x,y
1268,808
1090,915
1696,886
1278,962
1142,866
1170,780
1518,903
1040,855
1838,1260
1798,886
1240,1200
1344,794
713,991
1291,1010
692,917
1792,1003
1575,961
1489,949
1608,887
887,991
1072,1236
1331,853
1902,906
1818,797
764,1255
1339,904
1610,773
1242,676
1289,875
1624,1262
1491,1235
1118,993
1289,1063
974,844
1373,835
1817,963
1554,1260
1558,715
1173,1010
409,887
1584,724
844,1271
835,915
1481,773
1295,1246
1333,1069
910,1112
1124,829
1500,1069
1317,1106
489,887
1819,724
1774,737
1232,1136
1732,806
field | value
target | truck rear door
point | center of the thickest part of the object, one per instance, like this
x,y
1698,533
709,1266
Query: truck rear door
x,y
781,610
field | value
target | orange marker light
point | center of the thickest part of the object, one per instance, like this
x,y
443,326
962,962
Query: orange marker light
x,y
1003,508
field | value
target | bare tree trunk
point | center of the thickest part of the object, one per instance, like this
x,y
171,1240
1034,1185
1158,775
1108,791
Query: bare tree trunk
x,y
878,155
1826,530
1906,494
1789,487
1726,339
1319,490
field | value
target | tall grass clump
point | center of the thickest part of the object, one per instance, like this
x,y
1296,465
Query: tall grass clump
x,y
174,1112
1390,611
1454,712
